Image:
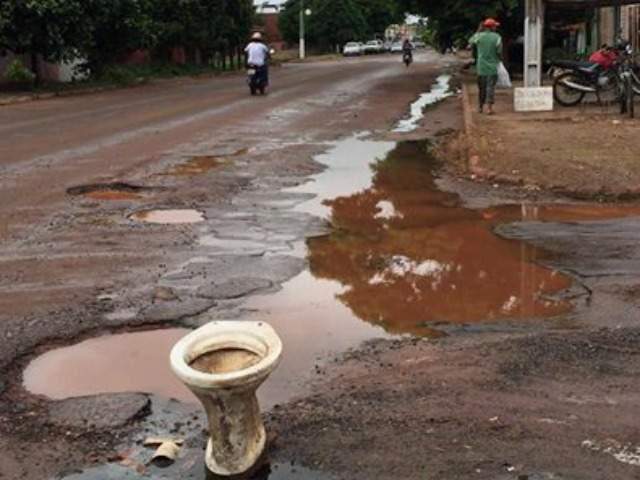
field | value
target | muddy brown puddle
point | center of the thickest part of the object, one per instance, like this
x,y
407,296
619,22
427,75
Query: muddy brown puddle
x,y
116,191
201,164
132,362
403,257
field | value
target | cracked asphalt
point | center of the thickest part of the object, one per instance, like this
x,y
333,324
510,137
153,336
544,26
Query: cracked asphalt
x,y
543,399
74,266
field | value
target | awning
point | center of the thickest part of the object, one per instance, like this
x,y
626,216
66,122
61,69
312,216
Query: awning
x,y
592,3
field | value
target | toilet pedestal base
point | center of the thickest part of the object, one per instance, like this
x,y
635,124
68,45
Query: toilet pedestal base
x,y
237,434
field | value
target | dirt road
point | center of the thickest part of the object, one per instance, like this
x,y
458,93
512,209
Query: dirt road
x,y
61,252
434,328
75,262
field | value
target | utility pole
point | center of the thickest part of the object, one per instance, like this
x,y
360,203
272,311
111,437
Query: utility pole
x,y
302,45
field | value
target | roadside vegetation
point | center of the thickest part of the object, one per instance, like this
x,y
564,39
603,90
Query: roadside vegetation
x,y
106,40
452,23
103,34
336,22
333,23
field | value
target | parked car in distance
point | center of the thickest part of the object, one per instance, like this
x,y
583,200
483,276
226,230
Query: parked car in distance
x,y
374,46
396,47
419,44
352,49
387,46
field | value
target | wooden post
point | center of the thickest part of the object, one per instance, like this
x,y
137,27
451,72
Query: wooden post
x,y
533,42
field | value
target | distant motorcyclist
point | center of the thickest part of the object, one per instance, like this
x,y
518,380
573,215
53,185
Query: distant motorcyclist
x,y
257,57
407,52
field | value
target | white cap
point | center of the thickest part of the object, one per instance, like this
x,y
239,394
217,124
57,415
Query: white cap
x,y
256,36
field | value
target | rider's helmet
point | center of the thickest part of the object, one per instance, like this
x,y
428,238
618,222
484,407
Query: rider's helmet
x,y
256,36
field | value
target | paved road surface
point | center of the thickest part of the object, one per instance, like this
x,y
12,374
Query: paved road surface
x,y
60,253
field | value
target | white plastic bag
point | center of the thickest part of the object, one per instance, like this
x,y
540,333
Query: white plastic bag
x,y
504,80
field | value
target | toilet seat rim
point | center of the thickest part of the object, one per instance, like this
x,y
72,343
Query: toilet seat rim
x,y
259,330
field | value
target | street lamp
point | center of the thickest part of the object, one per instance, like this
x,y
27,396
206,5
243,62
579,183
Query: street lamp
x,y
303,13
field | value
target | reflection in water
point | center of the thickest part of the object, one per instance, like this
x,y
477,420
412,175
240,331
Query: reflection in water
x,y
409,255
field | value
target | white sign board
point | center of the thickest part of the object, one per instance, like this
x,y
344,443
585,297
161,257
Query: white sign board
x,y
533,99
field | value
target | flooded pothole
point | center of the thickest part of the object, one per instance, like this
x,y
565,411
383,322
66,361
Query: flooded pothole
x,y
131,362
201,164
411,258
168,217
109,191
439,91
402,257
197,166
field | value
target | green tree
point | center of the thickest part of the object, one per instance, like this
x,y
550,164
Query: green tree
x,y
336,22
52,30
118,28
379,14
238,18
454,21
289,19
179,23
332,22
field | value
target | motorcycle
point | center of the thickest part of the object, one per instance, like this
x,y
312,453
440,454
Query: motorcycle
x,y
407,58
258,76
258,79
578,78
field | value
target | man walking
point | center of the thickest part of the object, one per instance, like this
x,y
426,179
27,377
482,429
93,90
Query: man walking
x,y
488,48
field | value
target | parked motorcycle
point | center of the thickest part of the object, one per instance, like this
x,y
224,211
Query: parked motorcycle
x,y
580,78
600,76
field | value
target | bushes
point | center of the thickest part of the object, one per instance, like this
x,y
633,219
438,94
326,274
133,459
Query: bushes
x,y
19,75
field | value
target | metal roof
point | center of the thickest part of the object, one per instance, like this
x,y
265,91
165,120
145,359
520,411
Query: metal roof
x,y
592,3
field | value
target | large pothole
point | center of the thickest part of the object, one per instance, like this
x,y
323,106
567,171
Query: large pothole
x,y
109,191
129,362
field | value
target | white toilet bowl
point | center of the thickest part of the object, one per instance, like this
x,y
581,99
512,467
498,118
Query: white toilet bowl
x,y
239,356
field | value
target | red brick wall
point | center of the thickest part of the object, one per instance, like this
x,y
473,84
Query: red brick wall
x,y
272,30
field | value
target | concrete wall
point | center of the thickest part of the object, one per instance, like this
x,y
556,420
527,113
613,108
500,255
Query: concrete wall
x,y
631,25
607,30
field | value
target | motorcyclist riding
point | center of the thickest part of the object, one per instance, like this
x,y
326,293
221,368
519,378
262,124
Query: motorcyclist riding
x,y
407,52
257,58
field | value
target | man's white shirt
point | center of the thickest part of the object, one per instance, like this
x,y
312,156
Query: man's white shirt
x,y
258,53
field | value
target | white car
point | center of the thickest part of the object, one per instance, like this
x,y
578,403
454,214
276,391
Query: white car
x,y
352,49
397,47
374,46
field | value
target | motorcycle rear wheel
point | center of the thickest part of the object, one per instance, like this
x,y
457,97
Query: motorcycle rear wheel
x,y
564,94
